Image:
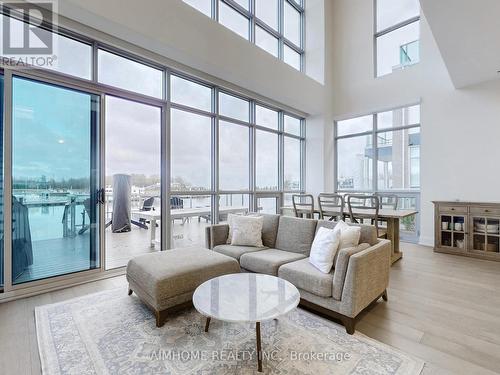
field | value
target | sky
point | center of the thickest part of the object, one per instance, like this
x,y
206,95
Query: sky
x,y
52,126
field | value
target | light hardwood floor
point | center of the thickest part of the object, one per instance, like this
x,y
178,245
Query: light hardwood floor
x,y
442,308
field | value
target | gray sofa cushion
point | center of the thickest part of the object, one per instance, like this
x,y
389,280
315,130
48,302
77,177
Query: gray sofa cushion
x,y
295,235
268,261
270,229
166,274
368,232
305,276
236,251
341,265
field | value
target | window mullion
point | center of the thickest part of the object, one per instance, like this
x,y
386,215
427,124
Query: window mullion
x,y
375,154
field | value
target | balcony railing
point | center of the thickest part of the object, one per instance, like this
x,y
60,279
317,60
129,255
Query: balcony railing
x,y
409,53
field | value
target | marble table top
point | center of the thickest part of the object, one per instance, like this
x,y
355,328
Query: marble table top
x,y
245,297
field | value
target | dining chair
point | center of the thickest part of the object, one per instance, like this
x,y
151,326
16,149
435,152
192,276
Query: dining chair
x,y
303,205
388,201
365,207
331,205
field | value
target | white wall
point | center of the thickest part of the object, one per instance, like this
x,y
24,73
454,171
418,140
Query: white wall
x,y
460,128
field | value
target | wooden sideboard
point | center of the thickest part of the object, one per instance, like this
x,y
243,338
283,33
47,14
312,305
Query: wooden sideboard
x,y
467,228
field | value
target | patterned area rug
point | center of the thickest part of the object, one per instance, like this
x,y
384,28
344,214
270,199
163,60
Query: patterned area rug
x,y
112,333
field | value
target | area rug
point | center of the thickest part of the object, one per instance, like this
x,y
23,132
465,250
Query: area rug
x,y
112,333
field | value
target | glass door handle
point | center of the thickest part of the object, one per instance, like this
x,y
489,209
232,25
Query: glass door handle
x,y
100,196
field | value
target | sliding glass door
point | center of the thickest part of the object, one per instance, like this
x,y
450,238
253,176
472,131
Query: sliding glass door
x,y
55,180
1,186
132,180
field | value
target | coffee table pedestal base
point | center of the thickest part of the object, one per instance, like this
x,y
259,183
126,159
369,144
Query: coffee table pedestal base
x,y
259,342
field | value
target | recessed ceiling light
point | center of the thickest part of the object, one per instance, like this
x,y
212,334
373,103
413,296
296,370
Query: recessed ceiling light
x,y
61,141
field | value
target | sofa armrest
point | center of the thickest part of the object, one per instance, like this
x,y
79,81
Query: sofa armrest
x,y
367,277
216,235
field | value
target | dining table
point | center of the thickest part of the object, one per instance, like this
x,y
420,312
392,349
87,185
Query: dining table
x,y
391,216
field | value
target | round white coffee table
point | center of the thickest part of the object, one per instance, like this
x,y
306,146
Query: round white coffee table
x,y
246,297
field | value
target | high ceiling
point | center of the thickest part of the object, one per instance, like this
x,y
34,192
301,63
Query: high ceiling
x,y
468,35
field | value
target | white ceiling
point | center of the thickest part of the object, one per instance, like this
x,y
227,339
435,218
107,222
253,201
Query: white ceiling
x,y
468,35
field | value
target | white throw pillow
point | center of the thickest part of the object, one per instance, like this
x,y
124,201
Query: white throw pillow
x,y
349,235
247,230
323,249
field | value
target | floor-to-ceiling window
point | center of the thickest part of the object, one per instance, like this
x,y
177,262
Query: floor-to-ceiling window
x,y
54,173
94,145
397,34
227,157
133,160
276,26
1,185
381,153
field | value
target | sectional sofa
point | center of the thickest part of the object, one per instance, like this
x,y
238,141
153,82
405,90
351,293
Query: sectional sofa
x,y
360,275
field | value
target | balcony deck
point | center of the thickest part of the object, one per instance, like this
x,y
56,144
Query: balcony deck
x,y
68,255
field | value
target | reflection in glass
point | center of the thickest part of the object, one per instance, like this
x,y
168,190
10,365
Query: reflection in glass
x,y
237,204
291,163
267,11
191,151
399,159
392,50
355,162
231,106
73,57
190,215
292,125
130,75
234,156
54,180
244,3
292,24
267,205
266,41
291,57
266,145
204,6
190,93
399,117
233,20
133,152
266,117
391,12
1,183
355,125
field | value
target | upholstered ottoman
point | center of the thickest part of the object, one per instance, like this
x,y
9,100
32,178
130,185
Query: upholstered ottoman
x,y
166,280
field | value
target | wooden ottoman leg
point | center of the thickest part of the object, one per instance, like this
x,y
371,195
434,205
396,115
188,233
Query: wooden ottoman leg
x,y
161,316
384,295
130,292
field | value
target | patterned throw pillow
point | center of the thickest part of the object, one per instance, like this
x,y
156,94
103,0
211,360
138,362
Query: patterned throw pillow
x,y
247,230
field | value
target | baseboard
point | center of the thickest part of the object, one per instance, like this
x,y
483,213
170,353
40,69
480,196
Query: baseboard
x,y
426,241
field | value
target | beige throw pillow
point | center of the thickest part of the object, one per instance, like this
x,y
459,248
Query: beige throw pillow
x,y
247,230
349,235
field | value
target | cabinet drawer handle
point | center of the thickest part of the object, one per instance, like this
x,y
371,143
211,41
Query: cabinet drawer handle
x,y
486,211
452,209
